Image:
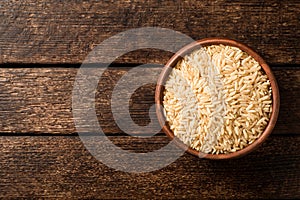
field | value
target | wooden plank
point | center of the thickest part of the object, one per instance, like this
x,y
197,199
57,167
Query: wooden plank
x,y
39,100
65,32
60,167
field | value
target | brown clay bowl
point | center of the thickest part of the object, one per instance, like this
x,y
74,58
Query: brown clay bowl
x,y
188,49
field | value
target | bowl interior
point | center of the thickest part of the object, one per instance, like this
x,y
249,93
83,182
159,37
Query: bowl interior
x,y
197,45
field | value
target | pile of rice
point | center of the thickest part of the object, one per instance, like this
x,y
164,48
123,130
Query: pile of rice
x,y
217,99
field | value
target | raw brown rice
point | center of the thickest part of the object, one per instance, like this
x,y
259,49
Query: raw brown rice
x,y
217,99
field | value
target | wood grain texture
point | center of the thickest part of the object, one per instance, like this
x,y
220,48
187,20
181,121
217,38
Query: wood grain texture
x,y
60,167
66,31
38,100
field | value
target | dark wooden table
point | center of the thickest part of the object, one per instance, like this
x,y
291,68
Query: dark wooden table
x,y
42,45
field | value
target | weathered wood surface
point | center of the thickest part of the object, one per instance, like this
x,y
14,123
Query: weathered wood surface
x,y
39,100
60,167
66,31
42,44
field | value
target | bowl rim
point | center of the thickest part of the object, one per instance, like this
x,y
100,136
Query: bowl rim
x,y
207,42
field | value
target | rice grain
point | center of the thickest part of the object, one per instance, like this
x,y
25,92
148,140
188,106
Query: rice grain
x,y
217,99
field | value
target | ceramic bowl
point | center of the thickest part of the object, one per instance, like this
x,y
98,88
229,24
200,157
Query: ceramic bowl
x,y
188,49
